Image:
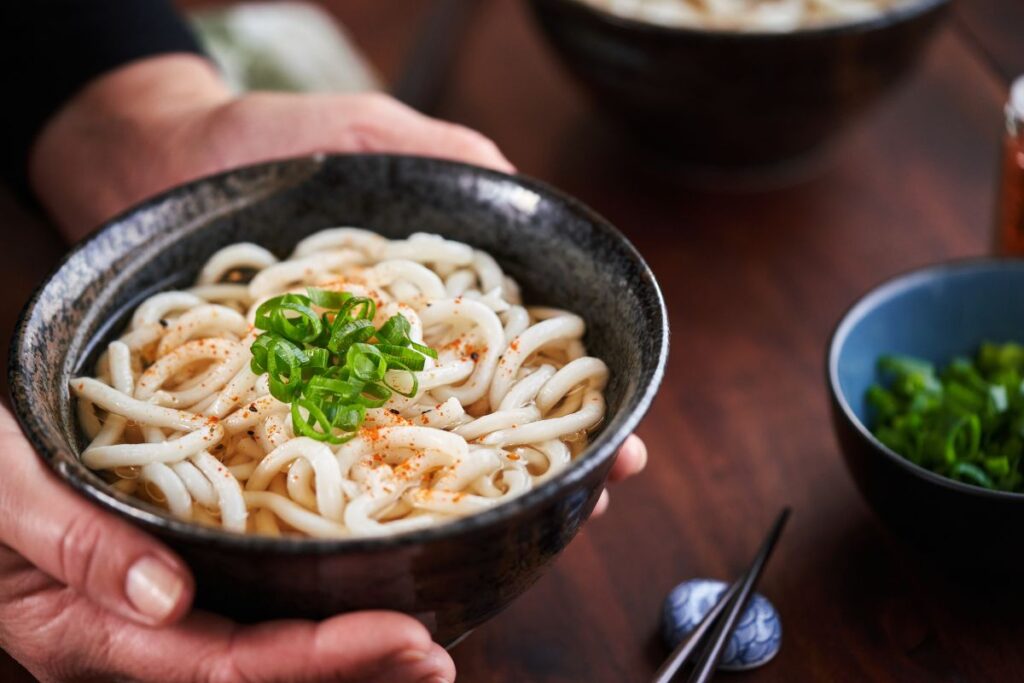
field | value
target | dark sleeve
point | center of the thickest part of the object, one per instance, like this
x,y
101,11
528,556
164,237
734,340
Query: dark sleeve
x,y
51,48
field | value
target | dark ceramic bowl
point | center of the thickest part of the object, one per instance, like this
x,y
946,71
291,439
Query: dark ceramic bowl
x,y
935,313
724,99
454,576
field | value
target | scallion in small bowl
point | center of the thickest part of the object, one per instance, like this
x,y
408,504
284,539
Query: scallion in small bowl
x,y
964,420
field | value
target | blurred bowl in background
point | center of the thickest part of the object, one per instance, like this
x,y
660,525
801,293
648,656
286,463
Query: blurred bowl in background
x,y
729,99
936,314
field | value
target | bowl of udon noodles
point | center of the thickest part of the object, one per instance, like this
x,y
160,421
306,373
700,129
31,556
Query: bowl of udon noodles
x,y
346,382
736,84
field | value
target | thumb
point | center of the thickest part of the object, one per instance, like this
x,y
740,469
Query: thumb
x,y
114,564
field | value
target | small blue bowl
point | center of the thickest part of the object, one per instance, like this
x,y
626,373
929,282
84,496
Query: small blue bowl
x,y
935,313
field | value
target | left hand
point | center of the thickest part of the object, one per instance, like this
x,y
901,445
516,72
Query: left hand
x,y
86,596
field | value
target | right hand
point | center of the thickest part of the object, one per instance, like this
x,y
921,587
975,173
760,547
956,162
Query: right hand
x,y
160,122
86,596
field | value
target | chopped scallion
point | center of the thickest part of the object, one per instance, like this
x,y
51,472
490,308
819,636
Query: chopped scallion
x,y
965,422
332,366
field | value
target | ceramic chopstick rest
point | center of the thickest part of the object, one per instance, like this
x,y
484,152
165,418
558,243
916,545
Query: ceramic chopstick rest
x,y
755,640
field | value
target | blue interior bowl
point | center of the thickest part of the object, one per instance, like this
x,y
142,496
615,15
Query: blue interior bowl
x,y
935,313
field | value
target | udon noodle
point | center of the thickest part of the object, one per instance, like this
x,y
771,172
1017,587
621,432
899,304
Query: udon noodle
x,y
177,417
747,15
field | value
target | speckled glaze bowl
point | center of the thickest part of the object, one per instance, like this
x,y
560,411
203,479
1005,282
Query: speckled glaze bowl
x,y
725,100
451,577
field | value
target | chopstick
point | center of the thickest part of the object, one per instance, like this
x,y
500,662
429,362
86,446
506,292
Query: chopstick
x,y
722,618
421,80
683,651
719,637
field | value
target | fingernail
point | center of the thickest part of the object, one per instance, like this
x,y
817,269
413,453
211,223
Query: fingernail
x,y
408,666
642,450
409,657
435,679
153,588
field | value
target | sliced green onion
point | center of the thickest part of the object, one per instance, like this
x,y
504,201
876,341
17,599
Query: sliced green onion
x,y
366,362
410,360
304,326
963,439
374,395
349,332
358,307
425,350
284,369
965,421
332,366
971,473
325,298
315,417
395,332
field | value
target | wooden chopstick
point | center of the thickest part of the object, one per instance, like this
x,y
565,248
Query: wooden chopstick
x,y
722,618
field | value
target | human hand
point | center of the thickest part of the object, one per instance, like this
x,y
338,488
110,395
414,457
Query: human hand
x,y
81,592
160,122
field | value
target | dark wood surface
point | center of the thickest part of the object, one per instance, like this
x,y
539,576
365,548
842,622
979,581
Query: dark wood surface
x,y
994,27
754,283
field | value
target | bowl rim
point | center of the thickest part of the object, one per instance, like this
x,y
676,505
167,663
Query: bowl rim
x,y
855,313
597,453
903,12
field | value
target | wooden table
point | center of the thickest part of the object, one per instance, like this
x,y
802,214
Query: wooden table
x,y
754,284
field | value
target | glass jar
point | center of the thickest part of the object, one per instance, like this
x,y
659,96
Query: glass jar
x,y
1010,211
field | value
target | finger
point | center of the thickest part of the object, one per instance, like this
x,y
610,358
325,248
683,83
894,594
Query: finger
x,y
631,459
380,646
115,565
363,646
385,125
266,126
602,504
433,138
